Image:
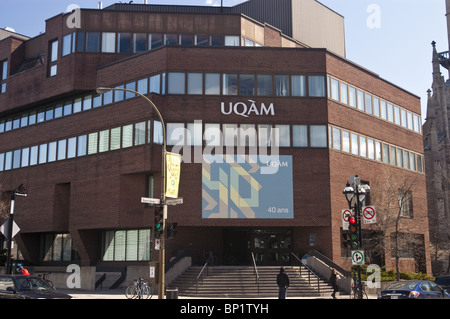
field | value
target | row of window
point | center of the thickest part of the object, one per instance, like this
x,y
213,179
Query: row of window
x,y
127,42
117,245
247,135
126,245
79,146
373,105
360,145
246,84
152,84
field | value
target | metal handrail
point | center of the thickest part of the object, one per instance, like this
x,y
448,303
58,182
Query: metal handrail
x,y
310,271
200,275
256,270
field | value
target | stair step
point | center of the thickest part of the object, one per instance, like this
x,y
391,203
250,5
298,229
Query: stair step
x,y
233,281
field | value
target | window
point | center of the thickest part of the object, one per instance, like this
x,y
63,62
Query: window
x,y
362,146
232,41
336,138
318,136
247,84
142,86
300,135
155,84
56,247
344,93
264,83
203,40
67,43
195,83
139,133
170,39
103,141
155,41
316,85
108,42
53,67
298,85
3,75
127,136
124,43
126,245
62,147
405,203
92,143
80,41
355,144
115,138
212,84
194,134
230,84
139,42
176,83
92,41
52,151
281,85
175,134
157,132
346,141
335,89
186,39
282,135
360,97
376,106
71,147
82,145
352,96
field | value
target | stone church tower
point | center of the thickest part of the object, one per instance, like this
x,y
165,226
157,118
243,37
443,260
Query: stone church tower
x,y
436,137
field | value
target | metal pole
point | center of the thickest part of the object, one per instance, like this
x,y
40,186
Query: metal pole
x,y
162,251
10,230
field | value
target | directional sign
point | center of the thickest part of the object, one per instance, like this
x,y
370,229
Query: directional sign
x,y
369,215
4,229
357,257
346,214
146,200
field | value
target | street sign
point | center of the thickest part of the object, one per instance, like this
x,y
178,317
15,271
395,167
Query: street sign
x,y
4,229
146,200
346,214
369,215
174,201
357,257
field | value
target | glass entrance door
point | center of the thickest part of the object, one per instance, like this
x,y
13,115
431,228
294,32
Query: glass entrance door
x,y
272,246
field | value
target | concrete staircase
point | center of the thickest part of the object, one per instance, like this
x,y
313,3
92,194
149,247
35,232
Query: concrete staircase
x,y
240,282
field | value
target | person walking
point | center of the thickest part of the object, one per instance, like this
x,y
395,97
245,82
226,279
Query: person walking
x,y
333,280
283,284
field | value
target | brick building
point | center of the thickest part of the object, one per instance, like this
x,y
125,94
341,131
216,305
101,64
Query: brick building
x,y
271,123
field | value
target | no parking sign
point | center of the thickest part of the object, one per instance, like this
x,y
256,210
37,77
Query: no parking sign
x,y
369,215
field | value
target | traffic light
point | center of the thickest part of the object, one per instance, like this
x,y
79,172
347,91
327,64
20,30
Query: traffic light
x,y
353,233
345,240
171,230
159,219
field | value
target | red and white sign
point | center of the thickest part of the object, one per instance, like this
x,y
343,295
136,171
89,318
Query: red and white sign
x,y
346,214
369,215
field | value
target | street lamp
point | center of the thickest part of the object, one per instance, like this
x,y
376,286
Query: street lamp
x,y
19,191
356,194
162,251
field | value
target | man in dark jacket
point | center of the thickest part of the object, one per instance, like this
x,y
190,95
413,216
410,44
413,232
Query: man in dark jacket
x,y
283,284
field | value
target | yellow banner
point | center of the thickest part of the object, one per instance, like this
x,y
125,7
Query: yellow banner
x,y
173,167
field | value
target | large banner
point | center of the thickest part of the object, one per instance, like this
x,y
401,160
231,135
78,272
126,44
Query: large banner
x,y
247,186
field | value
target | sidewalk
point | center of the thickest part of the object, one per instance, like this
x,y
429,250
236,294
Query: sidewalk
x,y
120,294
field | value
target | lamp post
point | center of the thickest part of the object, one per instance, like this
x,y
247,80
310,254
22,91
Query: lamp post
x,y
162,251
356,194
20,191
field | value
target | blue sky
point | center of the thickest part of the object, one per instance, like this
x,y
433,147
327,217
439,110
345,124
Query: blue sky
x,y
389,37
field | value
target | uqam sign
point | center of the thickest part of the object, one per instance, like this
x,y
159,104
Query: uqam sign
x,y
247,109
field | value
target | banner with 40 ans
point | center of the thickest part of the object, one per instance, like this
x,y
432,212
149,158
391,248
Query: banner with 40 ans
x,y
247,186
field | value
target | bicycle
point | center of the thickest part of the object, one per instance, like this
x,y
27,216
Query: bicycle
x,y
354,294
140,289
44,277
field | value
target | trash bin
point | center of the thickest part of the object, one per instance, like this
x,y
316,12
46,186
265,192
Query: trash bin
x,y
172,293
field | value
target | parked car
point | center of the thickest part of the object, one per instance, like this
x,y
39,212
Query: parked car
x,y
443,282
27,287
414,289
